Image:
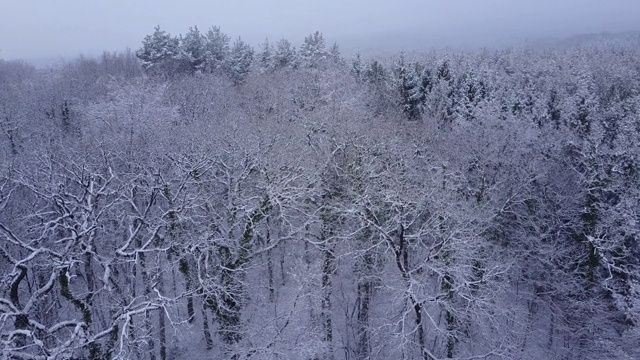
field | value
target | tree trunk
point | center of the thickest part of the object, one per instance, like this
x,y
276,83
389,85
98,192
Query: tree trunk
x,y
328,268
363,346
151,346
272,290
161,314
184,269
205,326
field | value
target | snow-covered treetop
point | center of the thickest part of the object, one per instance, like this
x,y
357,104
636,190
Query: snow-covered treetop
x,y
157,47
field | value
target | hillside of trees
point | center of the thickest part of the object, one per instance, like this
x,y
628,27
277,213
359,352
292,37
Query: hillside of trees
x,y
201,199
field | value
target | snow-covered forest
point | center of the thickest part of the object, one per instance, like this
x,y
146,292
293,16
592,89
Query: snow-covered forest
x,y
201,199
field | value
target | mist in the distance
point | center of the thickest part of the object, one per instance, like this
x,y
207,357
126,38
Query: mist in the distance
x,y
45,29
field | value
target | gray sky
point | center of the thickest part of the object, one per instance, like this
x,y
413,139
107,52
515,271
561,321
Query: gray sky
x,y
49,28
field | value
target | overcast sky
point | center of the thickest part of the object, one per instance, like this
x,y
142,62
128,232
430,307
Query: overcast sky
x,y
48,28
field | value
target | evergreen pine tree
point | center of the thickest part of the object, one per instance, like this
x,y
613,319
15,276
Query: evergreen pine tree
x,y
313,50
216,49
444,72
284,54
192,50
158,52
240,59
409,84
266,56
334,53
356,67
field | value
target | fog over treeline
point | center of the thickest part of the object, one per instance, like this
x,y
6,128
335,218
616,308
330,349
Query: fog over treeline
x,y
203,197
43,31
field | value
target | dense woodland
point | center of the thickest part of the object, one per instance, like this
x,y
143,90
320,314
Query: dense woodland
x,y
201,199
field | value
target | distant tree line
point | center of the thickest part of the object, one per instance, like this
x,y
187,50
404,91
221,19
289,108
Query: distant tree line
x,y
213,52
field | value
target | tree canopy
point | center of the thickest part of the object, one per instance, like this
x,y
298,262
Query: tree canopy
x,y
199,199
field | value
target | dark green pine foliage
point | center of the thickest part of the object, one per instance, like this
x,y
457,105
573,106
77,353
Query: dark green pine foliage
x,y
192,51
159,52
410,88
314,50
356,67
284,54
240,60
444,72
379,80
216,49
375,74
553,109
266,55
